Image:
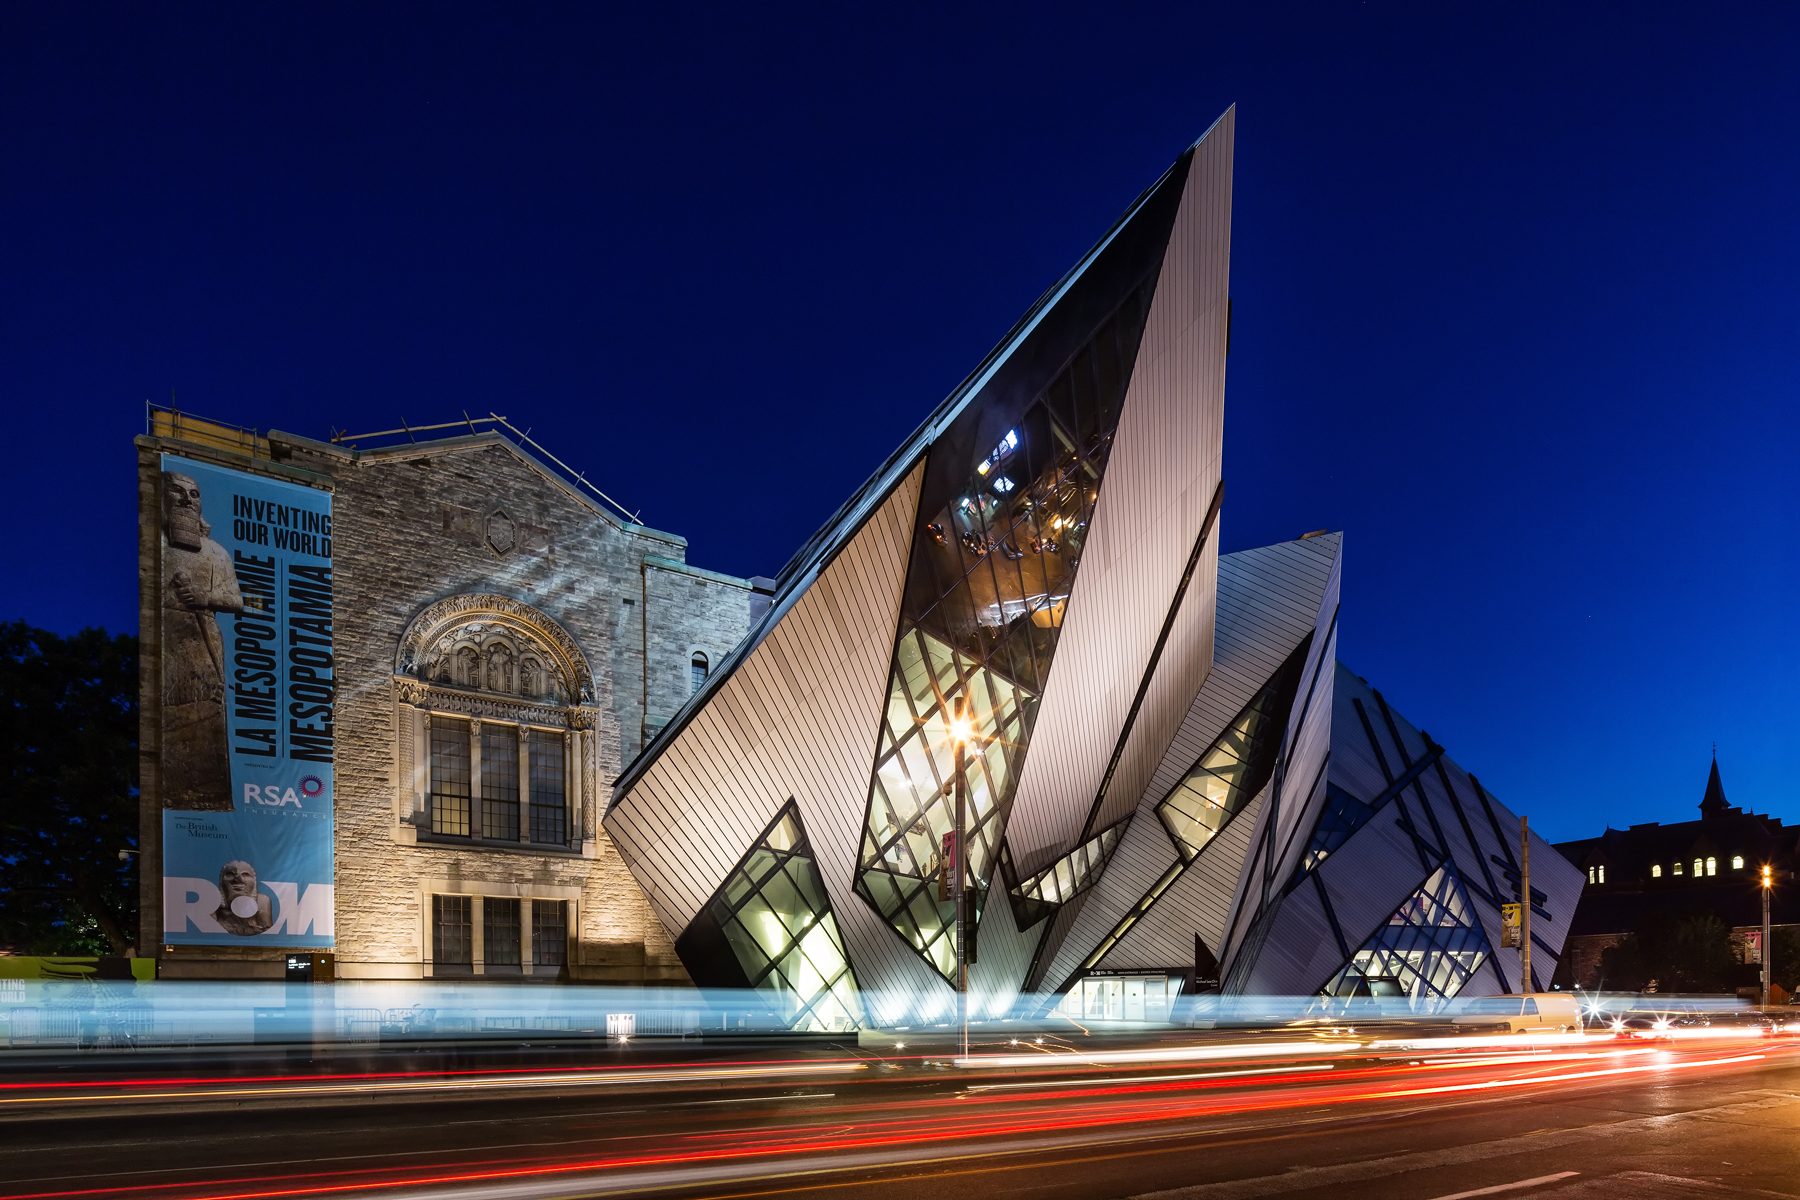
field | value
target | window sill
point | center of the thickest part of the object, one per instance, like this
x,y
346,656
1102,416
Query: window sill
x,y
535,849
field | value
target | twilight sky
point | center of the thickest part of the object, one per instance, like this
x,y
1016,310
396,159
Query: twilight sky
x,y
1516,299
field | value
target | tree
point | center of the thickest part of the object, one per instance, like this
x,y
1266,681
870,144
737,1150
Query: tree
x,y
1691,953
68,805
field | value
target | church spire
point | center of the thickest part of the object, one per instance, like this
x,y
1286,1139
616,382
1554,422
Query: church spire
x,y
1713,803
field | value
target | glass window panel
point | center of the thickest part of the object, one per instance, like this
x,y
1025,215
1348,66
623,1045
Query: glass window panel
x,y
783,932
549,932
449,776
452,937
549,806
500,931
499,782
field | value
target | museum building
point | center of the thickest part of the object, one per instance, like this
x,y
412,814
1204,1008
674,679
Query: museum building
x,y
1170,782
551,749
501,641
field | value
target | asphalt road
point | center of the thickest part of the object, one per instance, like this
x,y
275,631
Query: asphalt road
x,y
1181,1116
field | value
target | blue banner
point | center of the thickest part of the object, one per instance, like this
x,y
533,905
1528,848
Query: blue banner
x,y
248,684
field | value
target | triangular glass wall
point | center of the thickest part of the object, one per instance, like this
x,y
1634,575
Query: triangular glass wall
x,y
1225,778
1342,816
994,560
1067,877
773,912
1234,768
1427,950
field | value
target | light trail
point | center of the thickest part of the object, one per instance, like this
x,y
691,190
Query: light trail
x,y
1187,1054
612,1078
785,1151
1053,1085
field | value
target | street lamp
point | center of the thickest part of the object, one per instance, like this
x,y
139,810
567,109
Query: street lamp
x,y
1768,882
961,730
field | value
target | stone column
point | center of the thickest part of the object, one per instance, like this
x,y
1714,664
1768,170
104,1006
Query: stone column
x,y
475,824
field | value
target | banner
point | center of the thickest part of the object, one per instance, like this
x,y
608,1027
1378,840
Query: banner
x,y
247,691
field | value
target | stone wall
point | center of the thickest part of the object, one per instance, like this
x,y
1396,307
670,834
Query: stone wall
x,y
418,524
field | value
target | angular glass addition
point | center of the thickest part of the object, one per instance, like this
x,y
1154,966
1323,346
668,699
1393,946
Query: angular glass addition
x,y
1427,950
1233,769
774,913
1065,878
993,561
1343,815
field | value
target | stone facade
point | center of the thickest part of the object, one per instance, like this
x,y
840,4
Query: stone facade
x,y
471,580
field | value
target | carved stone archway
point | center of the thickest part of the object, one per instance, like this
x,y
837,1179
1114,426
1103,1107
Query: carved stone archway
x,y
483,658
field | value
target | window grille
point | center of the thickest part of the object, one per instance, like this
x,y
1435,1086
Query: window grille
x,y
697,671
449,776
499,782
451,932
549,932
500,931
549,820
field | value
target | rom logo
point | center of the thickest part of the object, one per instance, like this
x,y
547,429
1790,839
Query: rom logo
x,y
272,796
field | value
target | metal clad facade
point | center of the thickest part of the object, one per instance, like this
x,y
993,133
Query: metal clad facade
x,y
1160,478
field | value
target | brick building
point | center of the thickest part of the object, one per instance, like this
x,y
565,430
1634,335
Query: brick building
x,y
505,643
1712,865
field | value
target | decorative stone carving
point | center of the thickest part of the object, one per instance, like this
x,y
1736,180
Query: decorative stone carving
x,y
496,645
502,532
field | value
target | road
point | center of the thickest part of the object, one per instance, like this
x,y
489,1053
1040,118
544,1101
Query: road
x,y
1182,1115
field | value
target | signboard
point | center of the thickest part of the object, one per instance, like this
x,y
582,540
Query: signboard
x,y
248,685
1509,925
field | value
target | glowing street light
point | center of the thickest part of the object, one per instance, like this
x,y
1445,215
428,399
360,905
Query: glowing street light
x,y
1768,883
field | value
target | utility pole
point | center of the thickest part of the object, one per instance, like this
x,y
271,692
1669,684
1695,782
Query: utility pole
x,y
1525,984
1767,883
961,730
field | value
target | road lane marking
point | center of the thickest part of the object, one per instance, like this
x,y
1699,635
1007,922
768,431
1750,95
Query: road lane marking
x,y
1507,1187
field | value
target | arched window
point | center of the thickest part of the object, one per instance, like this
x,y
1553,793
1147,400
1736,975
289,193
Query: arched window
x,y
1698,867
697,670
1737,862
1602,870
1656,871
1712,866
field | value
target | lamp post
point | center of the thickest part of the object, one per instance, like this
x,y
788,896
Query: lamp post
x,y
1768,881
959,731
1525,986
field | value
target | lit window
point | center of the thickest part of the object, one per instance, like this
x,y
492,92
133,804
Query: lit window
x,y
1602,871
1656,871
1677,868
500,934
1737,862
1712,866
697,671
1699,867
1591,878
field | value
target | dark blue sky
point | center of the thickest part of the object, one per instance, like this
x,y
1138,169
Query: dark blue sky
x,y
1516,299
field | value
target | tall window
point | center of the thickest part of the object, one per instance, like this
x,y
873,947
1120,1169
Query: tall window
x,y
1712,866
1656,871
1697,867
500,782
548,806
449,776
1737,862
451,932
549,932
500,931
697,671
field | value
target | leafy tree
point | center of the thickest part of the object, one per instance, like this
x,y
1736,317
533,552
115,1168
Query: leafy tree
x,y
68,804
1691,953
